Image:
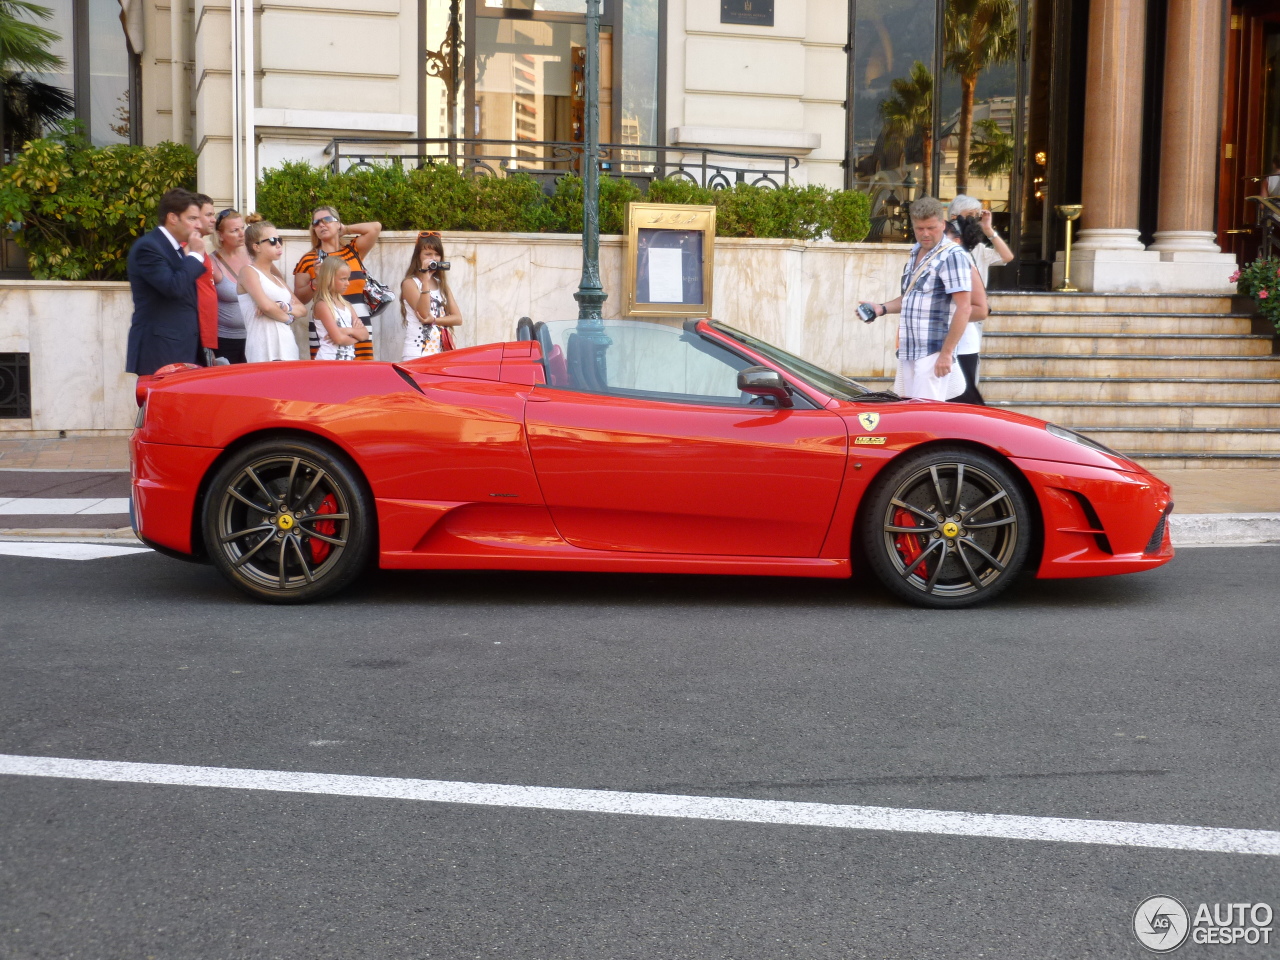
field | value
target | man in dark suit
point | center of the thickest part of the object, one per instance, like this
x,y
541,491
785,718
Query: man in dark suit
x,y
162,275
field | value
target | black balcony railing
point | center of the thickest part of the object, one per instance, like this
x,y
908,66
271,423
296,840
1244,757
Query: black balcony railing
x,y
546,160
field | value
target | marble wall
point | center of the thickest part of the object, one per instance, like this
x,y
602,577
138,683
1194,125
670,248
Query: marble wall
x,y
799,295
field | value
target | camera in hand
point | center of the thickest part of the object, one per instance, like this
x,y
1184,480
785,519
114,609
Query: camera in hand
x,y
866,312
435,265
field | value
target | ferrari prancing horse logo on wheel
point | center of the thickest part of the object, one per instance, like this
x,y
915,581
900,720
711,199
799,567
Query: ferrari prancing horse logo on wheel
x,y
869,421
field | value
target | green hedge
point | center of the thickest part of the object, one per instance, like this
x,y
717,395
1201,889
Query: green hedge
x,y
78,208
440,198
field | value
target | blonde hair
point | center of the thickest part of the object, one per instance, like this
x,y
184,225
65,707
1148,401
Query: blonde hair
x,y
325,273
253,233
315,241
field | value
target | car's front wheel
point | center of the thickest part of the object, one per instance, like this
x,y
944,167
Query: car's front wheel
x,y
948,527
288,521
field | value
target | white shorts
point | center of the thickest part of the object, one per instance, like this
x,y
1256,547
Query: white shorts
x,y
916,379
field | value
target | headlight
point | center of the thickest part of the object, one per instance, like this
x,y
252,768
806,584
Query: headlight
x,y
1084,441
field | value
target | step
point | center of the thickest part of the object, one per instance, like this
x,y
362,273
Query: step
x,y
1129,344
1112,302
1055,365
1216,440
1184,415
1151,324
1159,463
1128,389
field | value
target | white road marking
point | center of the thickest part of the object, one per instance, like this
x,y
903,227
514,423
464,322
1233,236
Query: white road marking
x,y
47,506
66,551
1164,836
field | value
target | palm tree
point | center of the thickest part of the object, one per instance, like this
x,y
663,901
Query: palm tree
x,y
993,154
910,112
25,45
978,34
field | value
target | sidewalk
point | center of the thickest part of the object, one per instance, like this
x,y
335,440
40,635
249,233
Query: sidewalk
x,y
1224,491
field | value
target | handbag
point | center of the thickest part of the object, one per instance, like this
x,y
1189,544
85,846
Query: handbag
x,y
446,340
377,296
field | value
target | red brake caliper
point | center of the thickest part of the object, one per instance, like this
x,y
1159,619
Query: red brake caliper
x,y
320,549
908,543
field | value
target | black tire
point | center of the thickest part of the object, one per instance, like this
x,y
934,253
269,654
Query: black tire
x,y
936,546
288,521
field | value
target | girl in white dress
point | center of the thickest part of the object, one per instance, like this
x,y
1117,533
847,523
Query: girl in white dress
x,y
426,302
269,308
336,322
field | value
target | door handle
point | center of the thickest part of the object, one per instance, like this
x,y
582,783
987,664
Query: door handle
x,y
536,397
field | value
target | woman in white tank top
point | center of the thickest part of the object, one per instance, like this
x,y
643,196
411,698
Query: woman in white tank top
x,y
426,302
269,308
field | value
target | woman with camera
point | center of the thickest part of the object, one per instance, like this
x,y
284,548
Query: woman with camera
x,y
427,305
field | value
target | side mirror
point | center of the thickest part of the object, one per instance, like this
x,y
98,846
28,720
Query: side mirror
x,y
765,382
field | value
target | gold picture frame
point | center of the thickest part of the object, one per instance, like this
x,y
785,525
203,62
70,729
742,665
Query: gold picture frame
x,y
676,283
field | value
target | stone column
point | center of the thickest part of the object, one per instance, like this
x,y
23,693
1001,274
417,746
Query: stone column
x,y
1113,126
1189,140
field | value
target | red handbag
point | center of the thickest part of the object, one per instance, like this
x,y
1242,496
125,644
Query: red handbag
x,y
446,340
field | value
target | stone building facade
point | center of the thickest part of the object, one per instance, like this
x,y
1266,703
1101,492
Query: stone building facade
x,y
1160,117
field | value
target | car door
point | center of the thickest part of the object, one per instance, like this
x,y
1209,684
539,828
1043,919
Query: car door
x,y
662,454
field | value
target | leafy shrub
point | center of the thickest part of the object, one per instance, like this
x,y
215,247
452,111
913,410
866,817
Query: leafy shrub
x,y
439,197
81,207
1261,280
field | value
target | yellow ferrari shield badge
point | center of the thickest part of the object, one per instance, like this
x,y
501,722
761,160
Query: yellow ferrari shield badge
x,y
869,421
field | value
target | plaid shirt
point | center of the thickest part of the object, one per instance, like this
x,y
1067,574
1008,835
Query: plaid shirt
x,y
926,311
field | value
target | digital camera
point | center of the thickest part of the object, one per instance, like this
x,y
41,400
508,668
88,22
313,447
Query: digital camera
x,y
435,265
866,312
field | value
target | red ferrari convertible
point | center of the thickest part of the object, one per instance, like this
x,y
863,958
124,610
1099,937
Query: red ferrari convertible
x,y
642,446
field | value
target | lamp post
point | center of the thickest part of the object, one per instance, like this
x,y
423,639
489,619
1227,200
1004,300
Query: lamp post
x,y
591,295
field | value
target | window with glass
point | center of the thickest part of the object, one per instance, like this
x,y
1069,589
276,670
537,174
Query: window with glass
x,y
97,76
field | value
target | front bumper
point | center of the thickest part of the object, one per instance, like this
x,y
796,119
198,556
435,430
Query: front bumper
x,y
1099,522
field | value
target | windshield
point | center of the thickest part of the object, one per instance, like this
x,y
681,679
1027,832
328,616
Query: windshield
x,y
832,384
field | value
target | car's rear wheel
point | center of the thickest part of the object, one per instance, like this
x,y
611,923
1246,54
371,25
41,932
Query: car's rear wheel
x,y
288,521
949,527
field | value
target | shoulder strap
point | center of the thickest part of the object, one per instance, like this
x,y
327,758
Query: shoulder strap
x,y
924,265
226,266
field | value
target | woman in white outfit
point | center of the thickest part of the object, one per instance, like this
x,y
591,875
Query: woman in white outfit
x,y
426,302
971,224
268,306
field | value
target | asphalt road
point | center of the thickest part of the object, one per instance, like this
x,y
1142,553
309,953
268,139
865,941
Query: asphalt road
x,y
1149,698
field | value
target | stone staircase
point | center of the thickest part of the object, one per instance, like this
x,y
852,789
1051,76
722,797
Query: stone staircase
x,y
1176,381
1170,380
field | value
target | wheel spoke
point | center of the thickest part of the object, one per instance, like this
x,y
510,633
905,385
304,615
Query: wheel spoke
x,y
968,567
969,542
244,557
994,498
1002,522
933,521
265,492
336,541
284,584
324,516
889,528
244,533
320,475
297,549
937,567
245,500
911,568
937,488
288,489
955,503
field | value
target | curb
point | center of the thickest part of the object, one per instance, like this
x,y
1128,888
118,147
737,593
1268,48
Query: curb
x,y
1224,529
1187,530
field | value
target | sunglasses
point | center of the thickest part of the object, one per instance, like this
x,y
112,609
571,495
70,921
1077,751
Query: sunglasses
x,y
222,215
316,223
428,233
274,241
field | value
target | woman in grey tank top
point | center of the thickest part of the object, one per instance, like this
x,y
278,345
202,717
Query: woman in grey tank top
x,y
230,258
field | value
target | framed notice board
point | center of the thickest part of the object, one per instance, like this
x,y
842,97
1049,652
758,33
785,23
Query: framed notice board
x,y
755,13
670,259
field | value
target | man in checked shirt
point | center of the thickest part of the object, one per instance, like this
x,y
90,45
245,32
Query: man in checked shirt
x,y
935,306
